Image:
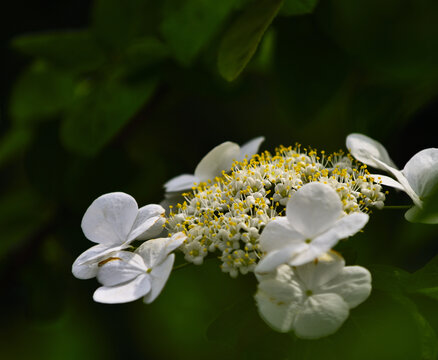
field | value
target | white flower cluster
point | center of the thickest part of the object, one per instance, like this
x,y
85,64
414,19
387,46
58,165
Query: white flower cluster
x,y
228,213
276,215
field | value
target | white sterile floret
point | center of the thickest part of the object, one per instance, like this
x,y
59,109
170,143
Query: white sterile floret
x,y
314,223
313,299
128,276
418,178
217,160
114,221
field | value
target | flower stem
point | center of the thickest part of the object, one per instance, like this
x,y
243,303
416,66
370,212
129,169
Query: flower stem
x,y
397,207
180,266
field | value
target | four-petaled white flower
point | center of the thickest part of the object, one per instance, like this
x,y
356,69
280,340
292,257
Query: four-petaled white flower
x,y
418,178
217,160
314,299
313,224
113,221
128,276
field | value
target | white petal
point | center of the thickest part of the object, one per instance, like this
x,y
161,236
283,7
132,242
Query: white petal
x,y
109,218
250,148
123,266
309,253
126,292
278,234
353,284
181,183
155,251
388,181
401,178
148,223
313,209
366,150
217,160
175,241
277,257
321,315
422,171
343,228
159,276
320,271
85,266
281,291
277,314
150,228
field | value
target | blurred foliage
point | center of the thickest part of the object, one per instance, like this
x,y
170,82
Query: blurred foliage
x,y
139,94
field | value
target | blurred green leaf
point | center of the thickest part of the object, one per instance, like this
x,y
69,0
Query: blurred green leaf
x,y
13,142
389,278
143,53
101,113
264,58
243,37
244,334
75,51
387,326
225,329
63,338
46,163
397,281
189,25
428,337
395,39
298,7
22,214
116,22
425,280
40,92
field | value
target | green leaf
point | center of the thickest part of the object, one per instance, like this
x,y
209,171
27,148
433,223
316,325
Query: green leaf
x,y
425,280
40,92
243,37
101,113
389,278
189,25
76,51
298,7
387,326
428,337
264,58
397,281
13,142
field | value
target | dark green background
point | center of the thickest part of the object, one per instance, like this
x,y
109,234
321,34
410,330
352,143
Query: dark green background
x,y
124,95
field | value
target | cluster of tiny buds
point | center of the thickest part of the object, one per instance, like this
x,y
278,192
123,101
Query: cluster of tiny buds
x,y
227,214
